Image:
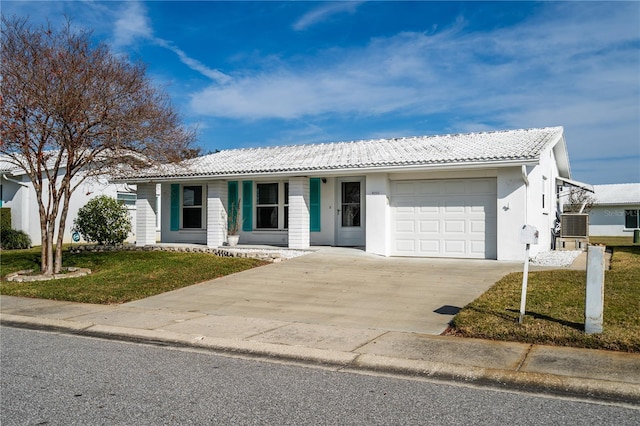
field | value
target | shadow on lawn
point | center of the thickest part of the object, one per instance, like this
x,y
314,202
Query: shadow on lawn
x,y
576,325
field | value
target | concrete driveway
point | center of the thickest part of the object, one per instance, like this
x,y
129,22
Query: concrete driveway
x,y
343,287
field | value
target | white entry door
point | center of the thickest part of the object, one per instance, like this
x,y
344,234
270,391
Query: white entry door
x,y
350,210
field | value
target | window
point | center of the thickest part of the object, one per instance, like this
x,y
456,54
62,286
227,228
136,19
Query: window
x,y
545,194
192,207
272,205
631,219
126,198
267,206
350,204
286,205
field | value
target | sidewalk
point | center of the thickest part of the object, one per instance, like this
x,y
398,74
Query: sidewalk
x,y
582,373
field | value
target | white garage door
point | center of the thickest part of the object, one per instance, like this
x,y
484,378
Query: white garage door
x,y
444,218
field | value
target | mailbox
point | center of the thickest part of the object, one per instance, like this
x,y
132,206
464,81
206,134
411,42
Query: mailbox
x,y
529,235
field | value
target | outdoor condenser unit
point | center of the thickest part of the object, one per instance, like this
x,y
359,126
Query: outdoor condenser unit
x,y
574,225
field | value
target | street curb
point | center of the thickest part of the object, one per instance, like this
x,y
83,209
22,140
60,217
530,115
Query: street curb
x,y
505,379
601,390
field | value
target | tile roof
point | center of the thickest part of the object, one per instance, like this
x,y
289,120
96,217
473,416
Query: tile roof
x,y
469,148
622,193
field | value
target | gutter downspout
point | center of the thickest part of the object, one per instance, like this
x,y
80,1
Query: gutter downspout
x,y
525,178
14,181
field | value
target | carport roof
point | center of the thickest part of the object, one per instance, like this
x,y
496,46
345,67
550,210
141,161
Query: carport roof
x,y
486,148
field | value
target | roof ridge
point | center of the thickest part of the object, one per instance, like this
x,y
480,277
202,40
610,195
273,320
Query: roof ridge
x,y
357,141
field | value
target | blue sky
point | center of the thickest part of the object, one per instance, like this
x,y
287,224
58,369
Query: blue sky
x,y
250,74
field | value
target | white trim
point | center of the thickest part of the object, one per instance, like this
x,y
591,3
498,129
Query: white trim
x,y
576,184
333,172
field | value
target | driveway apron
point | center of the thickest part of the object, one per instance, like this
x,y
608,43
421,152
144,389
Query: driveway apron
x,y
343,287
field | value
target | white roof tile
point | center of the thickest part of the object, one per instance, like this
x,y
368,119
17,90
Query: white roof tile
x,y
622,193
484,147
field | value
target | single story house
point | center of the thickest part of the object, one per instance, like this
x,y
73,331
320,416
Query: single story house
x,y
18,194
616,210
459,195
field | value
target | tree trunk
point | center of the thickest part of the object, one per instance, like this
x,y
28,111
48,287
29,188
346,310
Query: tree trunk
x,y
61,227
46,255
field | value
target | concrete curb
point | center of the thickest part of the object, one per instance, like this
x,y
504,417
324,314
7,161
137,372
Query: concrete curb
x,y
349,361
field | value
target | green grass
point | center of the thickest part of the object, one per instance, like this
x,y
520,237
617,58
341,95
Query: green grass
x,y
118,277
612,241
555,308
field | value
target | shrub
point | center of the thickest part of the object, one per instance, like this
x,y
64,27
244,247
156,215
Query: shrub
x,y
103,220
5,218
12,239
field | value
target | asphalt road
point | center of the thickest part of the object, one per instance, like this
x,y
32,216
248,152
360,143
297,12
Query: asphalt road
x,y
54,379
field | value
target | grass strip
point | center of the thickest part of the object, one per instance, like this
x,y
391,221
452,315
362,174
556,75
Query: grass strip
x,y
119,277
555,308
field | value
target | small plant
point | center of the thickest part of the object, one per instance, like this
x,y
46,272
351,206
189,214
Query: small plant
x,y
103,220
12,239
234,218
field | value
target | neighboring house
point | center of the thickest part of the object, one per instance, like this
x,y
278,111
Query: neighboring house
x,y
616,210
461,195
17,193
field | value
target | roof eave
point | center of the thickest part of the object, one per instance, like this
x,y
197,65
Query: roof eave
x,y
352,171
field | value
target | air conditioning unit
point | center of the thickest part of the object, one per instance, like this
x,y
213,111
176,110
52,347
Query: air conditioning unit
x,y
574,225
574,232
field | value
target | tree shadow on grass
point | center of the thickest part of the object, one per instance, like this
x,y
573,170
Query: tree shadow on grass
x,y
576,325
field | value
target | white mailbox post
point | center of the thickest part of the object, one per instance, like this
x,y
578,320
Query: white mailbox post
x,y
528,235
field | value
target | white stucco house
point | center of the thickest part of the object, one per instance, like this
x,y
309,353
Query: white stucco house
x,y
616,210
460,195
17,192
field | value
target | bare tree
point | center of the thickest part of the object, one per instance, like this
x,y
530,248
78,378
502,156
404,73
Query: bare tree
x,y
71,109
579,200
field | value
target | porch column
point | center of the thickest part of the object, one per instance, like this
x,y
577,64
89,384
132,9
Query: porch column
x,y
299,213
216,213
146,214
378,226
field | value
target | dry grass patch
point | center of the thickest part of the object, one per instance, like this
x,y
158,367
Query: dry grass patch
x,y
555,308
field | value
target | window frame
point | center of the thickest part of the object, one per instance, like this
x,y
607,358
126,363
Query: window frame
x,y
630,212
200,207
281,206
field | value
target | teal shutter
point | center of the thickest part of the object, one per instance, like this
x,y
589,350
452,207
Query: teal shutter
x,y
247,205
314,204
175,207
232,199
232,187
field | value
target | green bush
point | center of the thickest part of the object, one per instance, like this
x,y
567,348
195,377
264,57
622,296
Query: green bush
x,y
12,239
5,218
103,220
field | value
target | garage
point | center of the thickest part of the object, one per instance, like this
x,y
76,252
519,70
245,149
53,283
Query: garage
x,y
444,218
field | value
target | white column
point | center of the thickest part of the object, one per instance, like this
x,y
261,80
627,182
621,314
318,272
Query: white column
x,y
299,213
594,307
378,226
146,214
216,213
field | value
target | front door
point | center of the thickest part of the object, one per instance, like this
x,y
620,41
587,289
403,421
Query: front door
x,y
350,221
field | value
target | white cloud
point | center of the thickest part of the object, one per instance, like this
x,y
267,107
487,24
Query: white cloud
x,y
132,25
192,63
571,64
324,12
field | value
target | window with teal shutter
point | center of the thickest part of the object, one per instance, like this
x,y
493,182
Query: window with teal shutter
x,y
175,207
247,205
314,204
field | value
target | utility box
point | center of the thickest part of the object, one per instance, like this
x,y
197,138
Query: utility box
x,y
529,234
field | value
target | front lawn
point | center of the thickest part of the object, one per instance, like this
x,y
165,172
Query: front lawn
x,y
118,277
555,308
